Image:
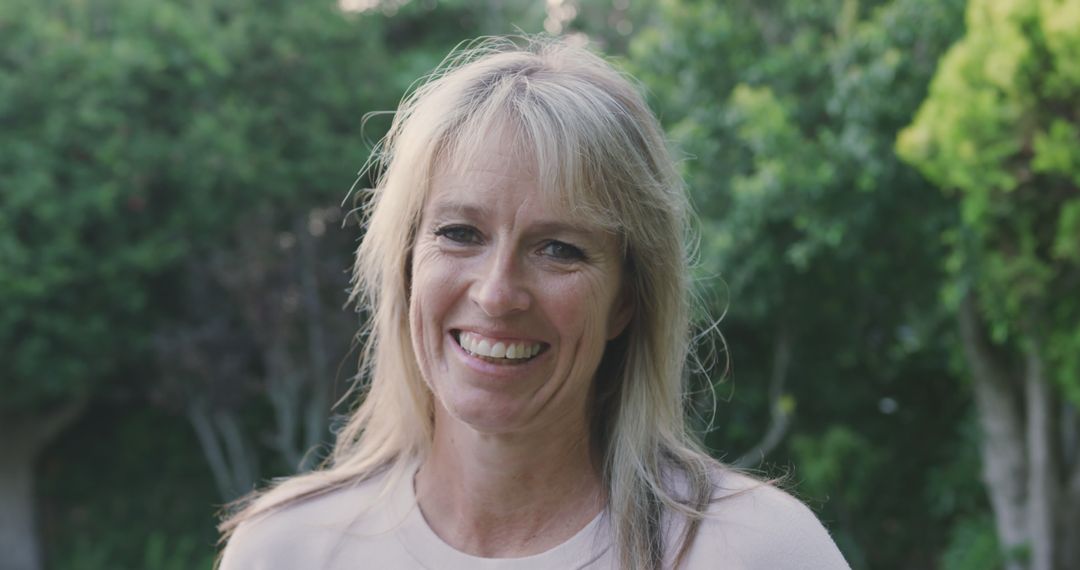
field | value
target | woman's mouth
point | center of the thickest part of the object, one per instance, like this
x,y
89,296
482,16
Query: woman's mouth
x,y
497,351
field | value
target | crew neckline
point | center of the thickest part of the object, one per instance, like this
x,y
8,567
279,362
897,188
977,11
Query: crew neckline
x,y
430,551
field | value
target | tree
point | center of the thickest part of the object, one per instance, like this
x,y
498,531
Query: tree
x,y
135,136
78,241
823,243
1000,133
264,326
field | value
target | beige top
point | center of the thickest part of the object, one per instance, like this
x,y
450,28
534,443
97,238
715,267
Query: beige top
x,y
761,528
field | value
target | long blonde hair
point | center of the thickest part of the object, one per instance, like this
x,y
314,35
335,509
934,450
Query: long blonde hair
x,y
599,148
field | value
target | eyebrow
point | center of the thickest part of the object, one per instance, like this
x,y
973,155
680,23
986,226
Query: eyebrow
x,y
556,227
444,208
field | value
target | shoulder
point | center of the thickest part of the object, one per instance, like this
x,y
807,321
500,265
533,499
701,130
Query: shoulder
x,y
305,532
754,525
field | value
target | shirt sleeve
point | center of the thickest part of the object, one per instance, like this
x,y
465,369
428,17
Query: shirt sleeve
x,y
242,551
794,538
763,528
272,542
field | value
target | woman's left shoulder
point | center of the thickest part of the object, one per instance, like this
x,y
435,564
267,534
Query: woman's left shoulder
x,y
752,524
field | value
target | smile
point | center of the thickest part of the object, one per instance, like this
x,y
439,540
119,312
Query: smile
x,y
492,350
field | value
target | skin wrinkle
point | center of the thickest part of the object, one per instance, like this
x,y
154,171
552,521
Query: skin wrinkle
x,y
445,210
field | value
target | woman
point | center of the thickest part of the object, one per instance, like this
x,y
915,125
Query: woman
x,y
525,268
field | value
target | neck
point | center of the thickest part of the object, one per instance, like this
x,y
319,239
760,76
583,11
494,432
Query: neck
x,y
506,496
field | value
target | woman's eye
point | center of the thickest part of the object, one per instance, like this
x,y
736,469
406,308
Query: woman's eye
x,y
562,251
458,234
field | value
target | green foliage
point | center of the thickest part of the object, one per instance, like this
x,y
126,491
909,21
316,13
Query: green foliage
x,y
837,459
812,228
839,466
140,138
70,257
1000,130
134,134
973,545
161,552
128,489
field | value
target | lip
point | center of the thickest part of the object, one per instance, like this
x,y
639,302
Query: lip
x,y
490,368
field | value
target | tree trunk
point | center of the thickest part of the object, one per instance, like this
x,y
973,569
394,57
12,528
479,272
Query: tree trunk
x,y
1003,450
1031,466
231,459
18,528
1069,524
1043,471
21,440
1069,513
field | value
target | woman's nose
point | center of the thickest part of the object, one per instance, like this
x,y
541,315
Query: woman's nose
x,y
500,288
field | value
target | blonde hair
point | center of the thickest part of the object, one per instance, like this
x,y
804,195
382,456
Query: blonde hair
x,y
601,150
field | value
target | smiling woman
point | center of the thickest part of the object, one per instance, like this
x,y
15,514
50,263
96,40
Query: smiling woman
x,y
525,266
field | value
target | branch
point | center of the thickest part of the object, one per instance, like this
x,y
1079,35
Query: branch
x,y
1070,445
317,411
55,422
241,457
1069,423
779,406
204,430
283,388
27,433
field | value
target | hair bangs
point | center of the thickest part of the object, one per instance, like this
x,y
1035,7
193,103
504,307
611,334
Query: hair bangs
x,y
545,130
565,160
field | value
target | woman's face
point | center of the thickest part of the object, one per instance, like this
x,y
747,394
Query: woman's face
x,y
512,302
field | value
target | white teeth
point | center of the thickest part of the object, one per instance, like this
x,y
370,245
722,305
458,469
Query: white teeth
x,y
494,349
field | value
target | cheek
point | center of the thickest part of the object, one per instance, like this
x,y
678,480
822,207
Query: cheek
x,y
581,309
430,299
430,276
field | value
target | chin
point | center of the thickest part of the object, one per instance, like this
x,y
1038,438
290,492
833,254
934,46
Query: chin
x,y
483,413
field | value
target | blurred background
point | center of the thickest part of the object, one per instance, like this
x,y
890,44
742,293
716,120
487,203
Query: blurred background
x,y
889,222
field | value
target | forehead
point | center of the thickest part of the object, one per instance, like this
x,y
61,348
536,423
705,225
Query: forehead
x,y
498,171
498,192
483,151
500,163
491,163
